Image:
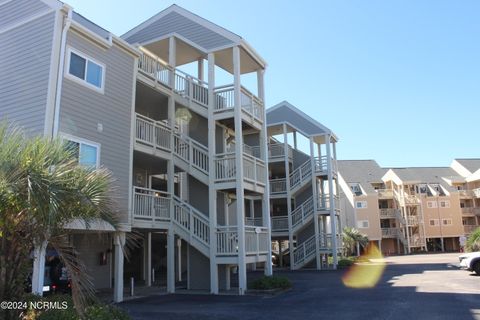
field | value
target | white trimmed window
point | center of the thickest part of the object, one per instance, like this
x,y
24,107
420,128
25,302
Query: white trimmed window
x,y
434,222
363,224
431,204
447,222
87,152
85,70
361,204
445,204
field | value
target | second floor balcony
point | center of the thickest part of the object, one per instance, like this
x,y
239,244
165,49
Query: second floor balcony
x,y
389,213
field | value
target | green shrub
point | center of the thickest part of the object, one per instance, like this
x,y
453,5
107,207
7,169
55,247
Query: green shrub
x,y
105,312
345,262
272,282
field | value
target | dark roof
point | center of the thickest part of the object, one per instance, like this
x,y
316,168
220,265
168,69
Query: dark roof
x,y
364,172
471,165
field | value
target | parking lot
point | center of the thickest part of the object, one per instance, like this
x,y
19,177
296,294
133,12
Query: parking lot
x,y
411,287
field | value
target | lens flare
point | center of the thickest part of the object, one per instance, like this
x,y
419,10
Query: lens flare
x,y
367,272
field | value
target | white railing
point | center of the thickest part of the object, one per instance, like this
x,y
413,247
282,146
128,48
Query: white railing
x,y
388,213
253,169
278,186
256,240
476,192
277,150
252,150
465,193
191,151
302,212
225,168
227,240
400,217
416,242
152,133
279,223
225,100
324,202
412,220
411,199
154,67
299,175
326,242
467,210
256,222
305,250
385,193
191,220
151,204
389,232
469,228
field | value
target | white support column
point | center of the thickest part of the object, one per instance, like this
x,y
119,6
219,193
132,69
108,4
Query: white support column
x,y
212,192
264,155
227,277
39,252
170,261
242,266
333,219
148,259
118,243
295,139
315,205
179,258
289,196
188,266
200,72
172,59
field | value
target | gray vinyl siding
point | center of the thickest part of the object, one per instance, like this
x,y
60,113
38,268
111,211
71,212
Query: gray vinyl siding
x,y
174,22
82,109
25,68
17,10
199,270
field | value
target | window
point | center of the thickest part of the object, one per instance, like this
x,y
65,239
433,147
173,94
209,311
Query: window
x,y
361,205
87,153
362,224
445,204
434,222
431,204
85,70
447,222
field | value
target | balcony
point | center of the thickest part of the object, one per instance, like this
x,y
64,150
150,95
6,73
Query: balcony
x,y
276,152
389,232
278,186
152,135
256,241
409,199
321,165
389,213
476,192
254,222
465,194
469,228
467,210
412,220
151,205
385,193
279,224
324,202
253,170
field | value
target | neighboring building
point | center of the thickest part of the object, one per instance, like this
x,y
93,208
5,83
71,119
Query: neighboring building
x,y
419,209
179,145
303,188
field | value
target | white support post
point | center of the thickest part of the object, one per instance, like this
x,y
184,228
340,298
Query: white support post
x,y
227,278
242,266
315,205
212,192
39,252
170,261
252,208
179,259
118,243
200,72
289,196
172,59
333,219
148,259
295,139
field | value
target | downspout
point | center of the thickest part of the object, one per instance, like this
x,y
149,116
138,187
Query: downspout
x,y
61,67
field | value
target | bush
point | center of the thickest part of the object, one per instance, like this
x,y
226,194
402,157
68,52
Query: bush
x,y
95,311
272,282
345,262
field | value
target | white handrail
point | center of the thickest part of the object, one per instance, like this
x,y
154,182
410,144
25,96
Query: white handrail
x,y
279,223
304,251
191,151
302,212
191,220
151,204
278,186
300,174
152,133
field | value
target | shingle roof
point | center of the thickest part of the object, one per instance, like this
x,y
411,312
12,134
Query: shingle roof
x,y
430,175
471,165
364,172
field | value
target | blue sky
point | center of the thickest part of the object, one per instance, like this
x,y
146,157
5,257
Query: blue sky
x,y
397,81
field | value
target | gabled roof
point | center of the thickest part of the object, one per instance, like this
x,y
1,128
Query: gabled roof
x,y
427,175
471,165
284,112
202,34
363,172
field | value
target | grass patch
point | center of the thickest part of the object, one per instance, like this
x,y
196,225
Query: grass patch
x,y
272,282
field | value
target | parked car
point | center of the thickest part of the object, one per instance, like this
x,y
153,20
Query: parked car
x,y
470,261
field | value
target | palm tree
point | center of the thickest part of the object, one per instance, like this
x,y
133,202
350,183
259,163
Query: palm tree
x,y
351,238
42,188
473,241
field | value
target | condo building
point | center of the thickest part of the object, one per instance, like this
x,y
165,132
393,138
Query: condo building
x,y
188,150
409,210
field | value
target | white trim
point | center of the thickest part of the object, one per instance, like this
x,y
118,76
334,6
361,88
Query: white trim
x,y
178,36
132,143
30,19
92,35
84,82
81,141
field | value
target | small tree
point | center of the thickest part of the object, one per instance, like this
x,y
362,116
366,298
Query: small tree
x,y
473,241
352,237
42,188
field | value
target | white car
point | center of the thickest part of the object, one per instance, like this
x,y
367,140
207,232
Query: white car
x,y
470,261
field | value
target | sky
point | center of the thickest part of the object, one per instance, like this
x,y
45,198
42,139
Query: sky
x,y
398,81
